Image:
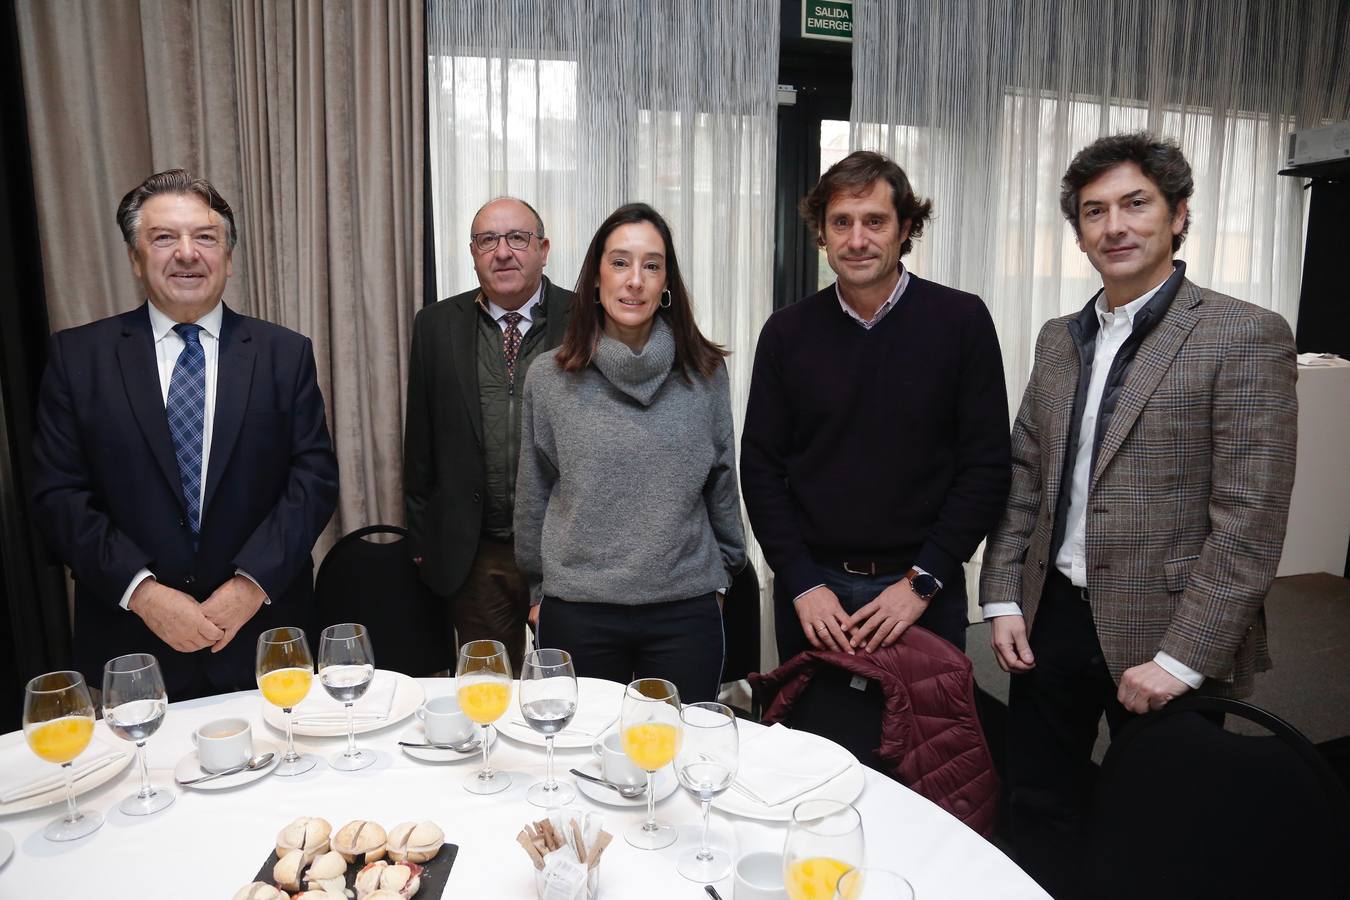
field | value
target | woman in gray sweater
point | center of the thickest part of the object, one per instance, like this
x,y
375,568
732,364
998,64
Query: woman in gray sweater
x,y
627,515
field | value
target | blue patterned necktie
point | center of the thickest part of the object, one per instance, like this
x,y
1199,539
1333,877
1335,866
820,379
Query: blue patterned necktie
x,y
186,408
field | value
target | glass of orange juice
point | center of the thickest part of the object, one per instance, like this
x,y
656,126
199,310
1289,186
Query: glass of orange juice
x,y
650,727
58,723
285,670
483,686
824,842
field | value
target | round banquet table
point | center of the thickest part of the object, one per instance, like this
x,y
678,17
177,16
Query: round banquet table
x,y
211,843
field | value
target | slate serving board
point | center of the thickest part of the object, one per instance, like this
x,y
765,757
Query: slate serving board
x,y
435,872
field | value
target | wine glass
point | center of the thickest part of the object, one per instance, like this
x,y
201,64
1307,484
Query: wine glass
x,y
134,701
873,884
824,841
548,700
58,723
650,726
285,671
483,685
346,669
706,763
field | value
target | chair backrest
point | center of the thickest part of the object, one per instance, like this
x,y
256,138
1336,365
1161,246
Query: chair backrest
x,y
740,625
377,584
1187,809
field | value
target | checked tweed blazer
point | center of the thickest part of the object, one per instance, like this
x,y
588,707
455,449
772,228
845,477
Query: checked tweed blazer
x,y
1189,496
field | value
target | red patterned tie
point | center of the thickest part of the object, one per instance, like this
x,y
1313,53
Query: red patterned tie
x,y
511,343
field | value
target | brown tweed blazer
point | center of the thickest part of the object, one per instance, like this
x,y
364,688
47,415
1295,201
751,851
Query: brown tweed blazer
x,y
1189,497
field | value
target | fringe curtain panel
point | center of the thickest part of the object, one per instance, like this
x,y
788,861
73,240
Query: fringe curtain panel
x,y
985,102
308,117
579,106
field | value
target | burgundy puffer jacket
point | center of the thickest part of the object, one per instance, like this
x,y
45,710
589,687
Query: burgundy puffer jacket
x,y
931,739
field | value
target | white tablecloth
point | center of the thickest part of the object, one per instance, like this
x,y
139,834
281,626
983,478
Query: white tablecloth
x,y
215,841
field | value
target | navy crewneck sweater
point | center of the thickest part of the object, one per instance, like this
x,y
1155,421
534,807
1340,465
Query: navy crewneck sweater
x,y
889,444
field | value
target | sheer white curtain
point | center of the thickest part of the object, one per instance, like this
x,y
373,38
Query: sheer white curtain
x,y
984,103
579,106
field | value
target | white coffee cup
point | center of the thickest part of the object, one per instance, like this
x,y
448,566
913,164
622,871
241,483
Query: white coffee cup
x,y
615,766
759,876
444,722
223,744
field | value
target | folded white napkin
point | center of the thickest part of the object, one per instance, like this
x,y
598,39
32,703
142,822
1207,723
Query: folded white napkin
x,y
28,776
586,724
320,709
779,764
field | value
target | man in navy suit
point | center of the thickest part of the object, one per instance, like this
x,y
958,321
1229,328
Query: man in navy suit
x,y
184,466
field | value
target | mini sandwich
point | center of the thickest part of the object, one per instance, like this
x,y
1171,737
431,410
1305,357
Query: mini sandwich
x,y
415,841
360,841
260,890
308,834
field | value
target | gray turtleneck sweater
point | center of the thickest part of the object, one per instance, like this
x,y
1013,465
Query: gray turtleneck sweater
x,y
626,491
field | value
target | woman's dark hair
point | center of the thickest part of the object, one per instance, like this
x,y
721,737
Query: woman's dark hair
x,y
1161,162
693,352
854,174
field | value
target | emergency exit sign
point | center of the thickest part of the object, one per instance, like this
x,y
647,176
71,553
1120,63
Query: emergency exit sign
x,y
828,21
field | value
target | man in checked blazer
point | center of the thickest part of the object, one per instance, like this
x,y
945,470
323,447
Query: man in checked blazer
x,y
1153,456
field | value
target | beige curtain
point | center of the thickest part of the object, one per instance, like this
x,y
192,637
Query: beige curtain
x,y
307,116
330,101
98,125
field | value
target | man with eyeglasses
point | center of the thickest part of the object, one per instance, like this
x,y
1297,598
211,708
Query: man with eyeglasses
x,y
470,354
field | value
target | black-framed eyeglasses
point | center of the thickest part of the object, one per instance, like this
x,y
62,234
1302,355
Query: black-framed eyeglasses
x,y
486,241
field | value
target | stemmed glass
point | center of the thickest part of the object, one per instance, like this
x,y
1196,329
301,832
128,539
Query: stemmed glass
x,y
824,841
706,764
58,723
873,884
650,726
346,669
134,701
285,671
483,685
548,700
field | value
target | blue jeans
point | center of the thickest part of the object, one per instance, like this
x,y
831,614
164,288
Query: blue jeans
x,y
945,616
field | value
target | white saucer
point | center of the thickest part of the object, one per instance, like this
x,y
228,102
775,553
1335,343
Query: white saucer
x,y
664,784
188,768
6,847
429,754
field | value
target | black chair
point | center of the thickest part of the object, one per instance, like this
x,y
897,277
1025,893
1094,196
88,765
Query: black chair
x,y
1185,809
740,630
377,584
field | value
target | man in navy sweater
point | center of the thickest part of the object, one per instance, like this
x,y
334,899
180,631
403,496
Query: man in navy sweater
x,y
875,456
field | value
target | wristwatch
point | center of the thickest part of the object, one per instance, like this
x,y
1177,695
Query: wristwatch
x,y
923,584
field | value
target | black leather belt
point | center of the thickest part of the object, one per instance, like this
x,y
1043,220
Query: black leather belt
x,y
855,566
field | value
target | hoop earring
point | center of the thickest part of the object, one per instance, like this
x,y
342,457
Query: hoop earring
x,y
666,299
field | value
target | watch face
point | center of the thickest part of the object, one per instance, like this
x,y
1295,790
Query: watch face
x,y
924,585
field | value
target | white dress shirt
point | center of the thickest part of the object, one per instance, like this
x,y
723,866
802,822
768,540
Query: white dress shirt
x,y
168,345
884,308
1114,329
498,313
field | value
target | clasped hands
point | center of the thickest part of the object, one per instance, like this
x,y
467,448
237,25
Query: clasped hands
x,y
186,625
877,624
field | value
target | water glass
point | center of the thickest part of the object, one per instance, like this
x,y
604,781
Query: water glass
x,y
706,764
346,669
134,703
548,701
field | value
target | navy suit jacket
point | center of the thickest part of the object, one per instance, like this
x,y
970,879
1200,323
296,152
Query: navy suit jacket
x,y
109,501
